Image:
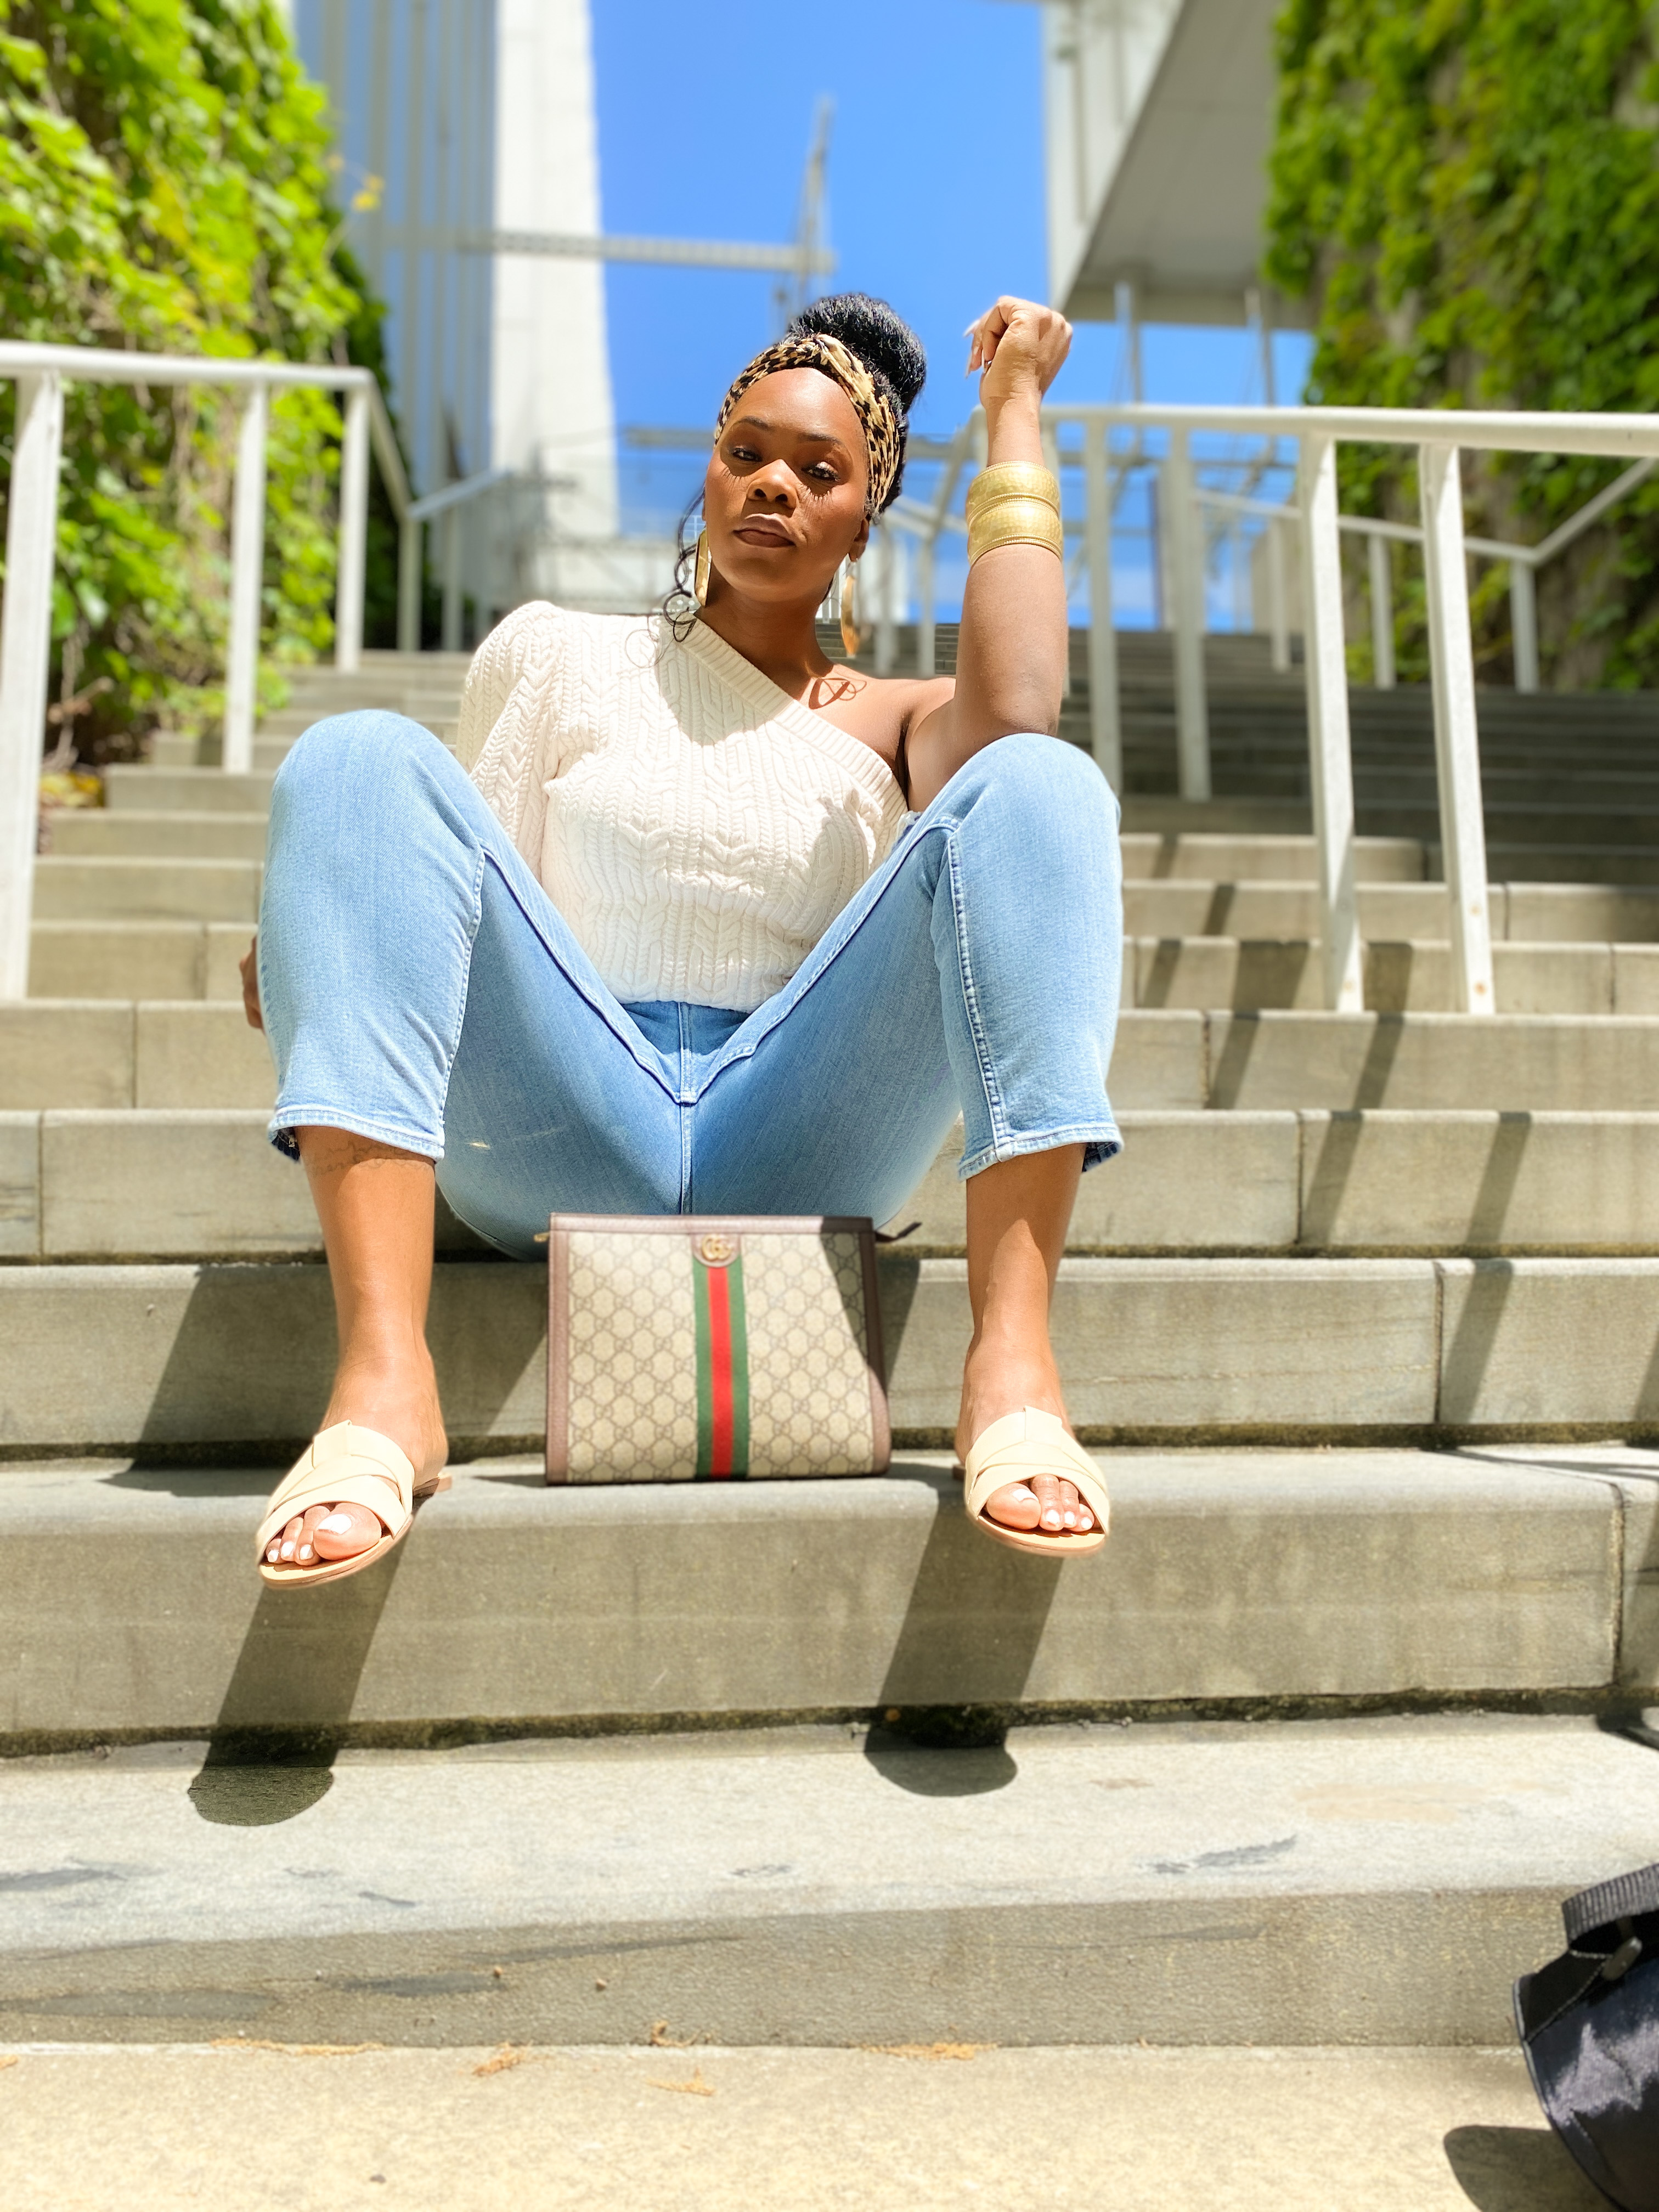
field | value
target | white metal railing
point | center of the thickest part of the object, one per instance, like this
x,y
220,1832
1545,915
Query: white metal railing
x,y
40,373
1082,438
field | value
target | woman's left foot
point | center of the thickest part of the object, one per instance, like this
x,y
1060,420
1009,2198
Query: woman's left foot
x,y
994,1385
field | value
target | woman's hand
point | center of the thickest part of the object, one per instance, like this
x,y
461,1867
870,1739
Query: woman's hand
x,y
249,971
1020,346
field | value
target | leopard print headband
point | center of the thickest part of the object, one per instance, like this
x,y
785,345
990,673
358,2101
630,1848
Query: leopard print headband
x,y
883,430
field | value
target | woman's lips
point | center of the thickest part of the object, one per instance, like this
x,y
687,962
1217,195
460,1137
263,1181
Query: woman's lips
x,y
756,533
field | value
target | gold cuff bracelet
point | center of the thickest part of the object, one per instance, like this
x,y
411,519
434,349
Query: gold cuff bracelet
x,y
1011,480
1015,522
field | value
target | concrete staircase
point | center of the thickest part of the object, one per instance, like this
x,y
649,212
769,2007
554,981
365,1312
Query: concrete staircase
x,y
1369,1314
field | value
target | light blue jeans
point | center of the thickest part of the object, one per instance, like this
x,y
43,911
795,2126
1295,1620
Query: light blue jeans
x,y
419,986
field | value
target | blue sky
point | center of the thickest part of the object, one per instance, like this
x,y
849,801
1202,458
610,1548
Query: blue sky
x,y
936,203
936,189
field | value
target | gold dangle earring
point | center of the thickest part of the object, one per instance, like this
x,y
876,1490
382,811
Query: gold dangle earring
x,y
699,575
850,624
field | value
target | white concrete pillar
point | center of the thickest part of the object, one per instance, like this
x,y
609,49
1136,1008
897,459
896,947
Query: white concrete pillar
x,y
552,411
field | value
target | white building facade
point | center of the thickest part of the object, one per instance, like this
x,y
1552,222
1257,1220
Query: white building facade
x,y
458,120
1159,119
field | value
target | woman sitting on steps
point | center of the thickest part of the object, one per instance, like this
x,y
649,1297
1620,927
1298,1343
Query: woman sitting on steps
x,y
713,926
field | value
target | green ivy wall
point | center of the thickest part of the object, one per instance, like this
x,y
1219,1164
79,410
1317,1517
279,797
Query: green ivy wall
x,y
165,184
1469,192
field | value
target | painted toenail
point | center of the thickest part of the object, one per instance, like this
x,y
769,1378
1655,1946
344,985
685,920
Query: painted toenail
x,y
304,1551
1051,1519
338,1524
288,1551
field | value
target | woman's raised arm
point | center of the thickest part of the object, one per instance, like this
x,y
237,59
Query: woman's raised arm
x,y
1011,658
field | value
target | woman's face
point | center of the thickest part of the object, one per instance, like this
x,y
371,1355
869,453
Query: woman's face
x,y
783,501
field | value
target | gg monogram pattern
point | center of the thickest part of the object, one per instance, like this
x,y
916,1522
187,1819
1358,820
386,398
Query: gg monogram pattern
x,y
810,1383
633,1359
632,1355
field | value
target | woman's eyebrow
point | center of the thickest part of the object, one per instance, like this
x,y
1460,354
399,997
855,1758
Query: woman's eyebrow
x,y
815,437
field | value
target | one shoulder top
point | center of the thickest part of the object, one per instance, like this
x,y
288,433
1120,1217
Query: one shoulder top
x,y
698,828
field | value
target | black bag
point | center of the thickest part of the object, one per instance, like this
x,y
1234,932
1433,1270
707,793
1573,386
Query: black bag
x,y
1589,2025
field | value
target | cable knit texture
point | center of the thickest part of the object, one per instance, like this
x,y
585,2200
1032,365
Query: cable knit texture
x,y
698,828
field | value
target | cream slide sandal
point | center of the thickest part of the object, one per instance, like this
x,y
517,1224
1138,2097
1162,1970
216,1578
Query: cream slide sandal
x,y
1013,1450
344,1465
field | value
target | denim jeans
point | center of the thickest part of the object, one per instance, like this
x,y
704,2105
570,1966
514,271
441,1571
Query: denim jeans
x,y
419,986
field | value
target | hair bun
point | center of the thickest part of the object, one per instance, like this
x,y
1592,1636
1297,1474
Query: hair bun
x,y
883,341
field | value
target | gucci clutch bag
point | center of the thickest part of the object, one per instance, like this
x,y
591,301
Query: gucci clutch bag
x,y
682,1348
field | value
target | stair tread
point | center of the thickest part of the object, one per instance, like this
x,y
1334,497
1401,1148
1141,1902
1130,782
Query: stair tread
x,y
825,1885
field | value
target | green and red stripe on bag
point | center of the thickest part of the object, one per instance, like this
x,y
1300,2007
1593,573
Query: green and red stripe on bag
x,y
684,1348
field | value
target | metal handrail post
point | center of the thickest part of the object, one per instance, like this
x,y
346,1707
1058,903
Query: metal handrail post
x,y
1523,623
926,641
25,658
449,540
1186,582
1330,759
1278,608
884,548
1105,718
1050,437
247,561
1457,731
408,584
352,557
1381,596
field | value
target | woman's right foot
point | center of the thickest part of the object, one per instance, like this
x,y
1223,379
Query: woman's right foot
x,y
402,1404
997,1382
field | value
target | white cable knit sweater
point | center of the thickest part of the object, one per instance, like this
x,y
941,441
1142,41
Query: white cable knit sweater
x,y
698,828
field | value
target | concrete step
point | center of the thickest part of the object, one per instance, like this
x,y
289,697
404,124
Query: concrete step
x,y
127,834
195,1183
1565,863
95,1053
1164,1883
1251,974
1531,913
137,959
73,888
809,2128
1234,858
111,1053
134,789
181,1358
1231,1577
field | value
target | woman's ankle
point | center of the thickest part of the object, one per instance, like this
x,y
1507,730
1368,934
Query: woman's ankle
x,y
397,1397
1001,1375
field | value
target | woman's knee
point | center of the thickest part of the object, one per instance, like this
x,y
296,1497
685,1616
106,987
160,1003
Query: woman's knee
x,y
1055,782
371,747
